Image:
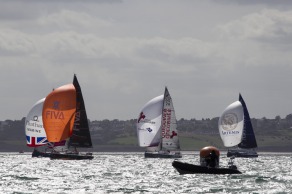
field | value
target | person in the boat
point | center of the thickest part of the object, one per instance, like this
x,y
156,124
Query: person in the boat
x,y
212,160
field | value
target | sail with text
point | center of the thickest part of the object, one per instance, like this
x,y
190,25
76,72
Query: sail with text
x,y
231,124
34,130
169,133
59,113
81,134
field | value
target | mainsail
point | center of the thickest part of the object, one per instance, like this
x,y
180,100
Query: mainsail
x,y
34,130
248,137
169,132
59,113
81,134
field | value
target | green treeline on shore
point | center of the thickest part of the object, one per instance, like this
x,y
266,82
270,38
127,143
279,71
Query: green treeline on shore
x,y
118,135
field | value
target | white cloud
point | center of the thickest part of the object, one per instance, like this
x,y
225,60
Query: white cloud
x,y
71,20
267,25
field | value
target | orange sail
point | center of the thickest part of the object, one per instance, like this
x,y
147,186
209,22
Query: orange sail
x,y
59,113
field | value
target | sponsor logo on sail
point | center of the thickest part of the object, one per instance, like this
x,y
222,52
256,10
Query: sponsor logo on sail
x,y
149,129
229,121
35,118
56,105
166,119
173,134
142,116
55,114
142,119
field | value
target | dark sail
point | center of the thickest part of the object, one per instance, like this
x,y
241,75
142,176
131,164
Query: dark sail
x,y
81,135
248,137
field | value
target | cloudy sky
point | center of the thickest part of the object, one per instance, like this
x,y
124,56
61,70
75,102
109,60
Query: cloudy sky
x,y
125,52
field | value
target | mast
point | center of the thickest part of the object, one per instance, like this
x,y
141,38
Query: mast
x,y
248,137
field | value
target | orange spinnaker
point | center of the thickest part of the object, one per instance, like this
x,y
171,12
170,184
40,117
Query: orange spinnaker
x,y
59,113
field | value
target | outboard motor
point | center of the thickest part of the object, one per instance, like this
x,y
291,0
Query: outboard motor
x,y
209,156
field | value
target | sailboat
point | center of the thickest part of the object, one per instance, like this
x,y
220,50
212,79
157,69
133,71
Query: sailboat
x,y
157,128
236,130
35,133
65,121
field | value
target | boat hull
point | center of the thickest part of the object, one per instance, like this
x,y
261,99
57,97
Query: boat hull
x,y
242,153
161,155
37,153
185,168
70,156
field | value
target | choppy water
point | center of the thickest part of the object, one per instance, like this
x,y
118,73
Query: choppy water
x,y
132,173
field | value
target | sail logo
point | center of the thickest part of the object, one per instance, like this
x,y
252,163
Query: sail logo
x,y
166,119
229,121
35,118
173,134
142,116
56,105
149,129
55,115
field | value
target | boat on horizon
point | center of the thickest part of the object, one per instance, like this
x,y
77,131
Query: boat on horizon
x,y
236,130
157,128
65,122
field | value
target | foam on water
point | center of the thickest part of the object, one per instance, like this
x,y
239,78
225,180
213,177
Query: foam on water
x,y
132,173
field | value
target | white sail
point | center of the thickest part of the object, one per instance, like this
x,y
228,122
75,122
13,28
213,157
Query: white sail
x,y
149,123
34,130
231,124
169,133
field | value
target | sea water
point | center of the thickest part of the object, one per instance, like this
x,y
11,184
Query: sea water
x,y
132,173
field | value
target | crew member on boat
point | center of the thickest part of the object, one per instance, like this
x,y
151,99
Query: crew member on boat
x,y
209,157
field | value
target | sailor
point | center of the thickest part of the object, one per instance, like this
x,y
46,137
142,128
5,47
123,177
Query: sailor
x,y
213,159
209,156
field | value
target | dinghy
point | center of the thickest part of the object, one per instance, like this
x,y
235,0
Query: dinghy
x,y
186,168
157,128
209,164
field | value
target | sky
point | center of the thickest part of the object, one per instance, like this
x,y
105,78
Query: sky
x,y
125,52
